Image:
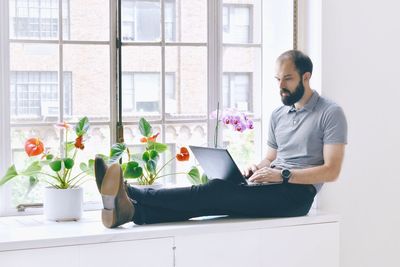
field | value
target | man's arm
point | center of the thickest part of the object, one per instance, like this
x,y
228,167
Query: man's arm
x,y
266,162
333,157
328,172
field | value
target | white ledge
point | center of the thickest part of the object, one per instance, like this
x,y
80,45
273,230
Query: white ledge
x,y
29,232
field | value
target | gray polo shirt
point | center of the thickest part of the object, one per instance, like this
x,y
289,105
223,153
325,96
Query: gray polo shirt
x,y
299,135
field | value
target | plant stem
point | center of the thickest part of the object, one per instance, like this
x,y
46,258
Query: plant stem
x,y
164,165
216,128
129,154
170,174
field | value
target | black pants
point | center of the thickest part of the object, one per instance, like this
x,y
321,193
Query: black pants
x,y
219,197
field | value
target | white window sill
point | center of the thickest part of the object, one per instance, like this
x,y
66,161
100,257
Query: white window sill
x,y
35,232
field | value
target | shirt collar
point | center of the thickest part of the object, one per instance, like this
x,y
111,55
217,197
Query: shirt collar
x,y
312,102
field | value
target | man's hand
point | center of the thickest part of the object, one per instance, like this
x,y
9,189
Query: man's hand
x,y
266,175
249,171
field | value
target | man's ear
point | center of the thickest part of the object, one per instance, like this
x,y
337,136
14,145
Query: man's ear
x,y
306,77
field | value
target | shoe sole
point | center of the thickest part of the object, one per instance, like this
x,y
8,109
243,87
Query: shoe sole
x,y
109,192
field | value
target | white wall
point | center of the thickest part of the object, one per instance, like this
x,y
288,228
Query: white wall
x,y
361,71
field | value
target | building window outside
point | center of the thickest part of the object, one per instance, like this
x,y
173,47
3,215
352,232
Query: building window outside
x,y
141,20
184,65
141,92
237,91
37,19
35,94
237,25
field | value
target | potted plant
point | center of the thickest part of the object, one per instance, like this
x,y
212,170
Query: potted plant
x,y
63,197
143,168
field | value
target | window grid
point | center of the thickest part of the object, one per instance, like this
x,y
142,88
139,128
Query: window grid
x,y
38,19
35,93
237,28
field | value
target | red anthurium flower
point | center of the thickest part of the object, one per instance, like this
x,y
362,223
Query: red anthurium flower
x,y
79,142
34,147
183,155
63,125
151,139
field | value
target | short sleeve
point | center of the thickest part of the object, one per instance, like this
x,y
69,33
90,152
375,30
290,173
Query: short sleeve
x,y
271,133
335,126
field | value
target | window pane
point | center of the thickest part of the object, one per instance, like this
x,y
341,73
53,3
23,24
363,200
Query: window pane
x,y
31,20
242,78
237,91
34,82
242,22
20,187
179,135
89,70
189,65
141,20
242,145
141,83
98,141
190,18
86,20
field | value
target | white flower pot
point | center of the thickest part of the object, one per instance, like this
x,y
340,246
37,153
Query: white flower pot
x,y
63,204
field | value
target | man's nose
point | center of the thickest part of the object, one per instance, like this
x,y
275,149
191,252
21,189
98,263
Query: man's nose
x,y
282,84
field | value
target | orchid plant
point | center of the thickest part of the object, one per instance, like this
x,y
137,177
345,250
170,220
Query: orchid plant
x,y
144,166
58,170
230,117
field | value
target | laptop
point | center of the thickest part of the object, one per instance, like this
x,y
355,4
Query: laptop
x,y
217,163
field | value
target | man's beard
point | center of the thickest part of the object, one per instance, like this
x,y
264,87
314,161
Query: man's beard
x,y
294,97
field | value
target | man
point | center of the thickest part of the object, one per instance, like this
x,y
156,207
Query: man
x,y
306,144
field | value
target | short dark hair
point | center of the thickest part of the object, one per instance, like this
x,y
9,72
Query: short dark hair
x,y
301,61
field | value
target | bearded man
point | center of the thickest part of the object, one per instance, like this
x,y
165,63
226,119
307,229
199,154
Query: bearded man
x,y
306,143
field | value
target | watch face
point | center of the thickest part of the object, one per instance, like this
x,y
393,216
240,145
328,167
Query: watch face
x,y
286,173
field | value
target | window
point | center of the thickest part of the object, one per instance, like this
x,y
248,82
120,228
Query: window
x,y
237,23
35,94
141,20
141,92
237,91
36,19
174,71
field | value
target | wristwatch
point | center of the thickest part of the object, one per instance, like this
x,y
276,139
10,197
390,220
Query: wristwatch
x,y
286,174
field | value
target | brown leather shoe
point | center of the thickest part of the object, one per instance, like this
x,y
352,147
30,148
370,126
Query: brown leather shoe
x,y
118,209
100,168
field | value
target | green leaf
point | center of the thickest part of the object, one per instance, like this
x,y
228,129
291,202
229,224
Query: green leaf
x,y
123,166
145,127
154,155
146,156
117,151
194,176
87,168
151,166
84,167
70,146
49,156
68,163
56,165
204,179
10,174
82,127
32,169
133,170
160,148
33,180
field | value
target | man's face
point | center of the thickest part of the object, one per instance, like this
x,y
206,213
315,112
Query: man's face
x,y
290,84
